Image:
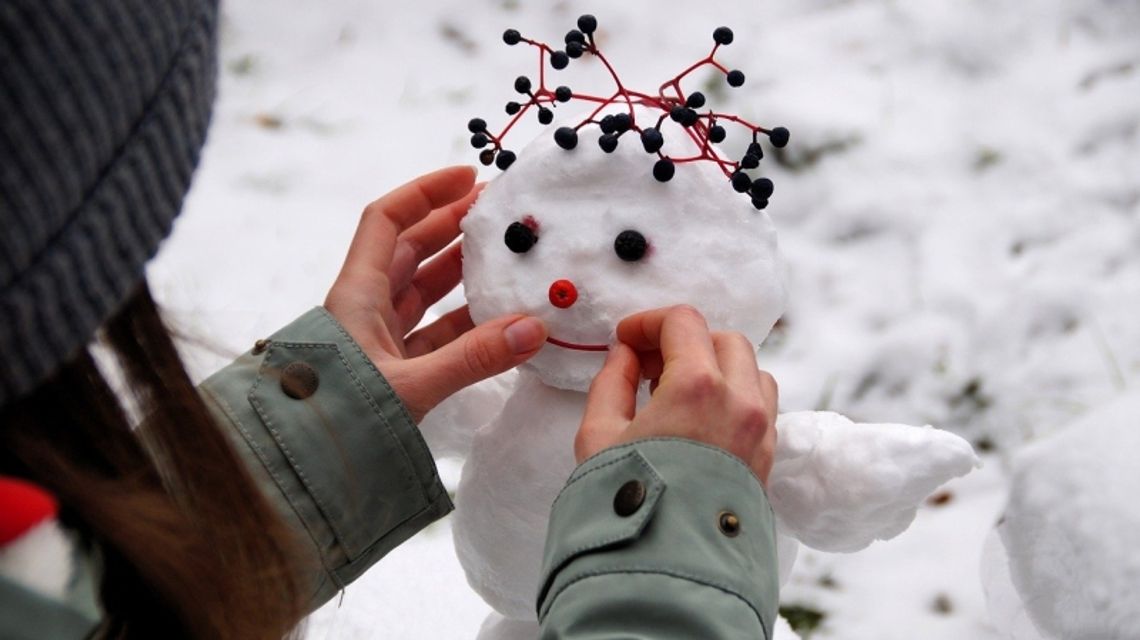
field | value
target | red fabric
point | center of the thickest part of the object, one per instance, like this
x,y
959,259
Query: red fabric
x,y
23,505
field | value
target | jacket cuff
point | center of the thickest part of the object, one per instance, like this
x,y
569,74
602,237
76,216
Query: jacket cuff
x,y
331,444
666,507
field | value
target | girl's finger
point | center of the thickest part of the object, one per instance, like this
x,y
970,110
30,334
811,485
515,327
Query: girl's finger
x,y
431,283
383,220
447,328
680,333
611,403
737,359
427,238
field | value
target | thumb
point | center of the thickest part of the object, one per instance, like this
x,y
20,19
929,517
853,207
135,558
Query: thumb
x,y
611,403
487,350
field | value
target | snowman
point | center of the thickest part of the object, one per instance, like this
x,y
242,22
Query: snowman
x,y
583,235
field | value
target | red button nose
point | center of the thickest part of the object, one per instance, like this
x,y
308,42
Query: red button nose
x,y
563,294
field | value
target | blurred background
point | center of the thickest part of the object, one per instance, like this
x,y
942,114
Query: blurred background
x,y
959,214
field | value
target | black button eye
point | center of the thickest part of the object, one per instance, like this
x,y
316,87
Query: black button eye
x,y
630,246
519,237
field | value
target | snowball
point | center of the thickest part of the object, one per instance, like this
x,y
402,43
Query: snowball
x,y
839,486
1003,603
707,246
1070,529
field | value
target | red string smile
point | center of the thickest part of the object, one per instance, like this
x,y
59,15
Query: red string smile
x,y
578,347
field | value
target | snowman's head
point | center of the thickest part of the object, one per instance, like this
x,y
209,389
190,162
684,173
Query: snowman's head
x,y
583,238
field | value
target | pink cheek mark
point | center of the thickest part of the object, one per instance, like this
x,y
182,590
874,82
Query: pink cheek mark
x,y
530,223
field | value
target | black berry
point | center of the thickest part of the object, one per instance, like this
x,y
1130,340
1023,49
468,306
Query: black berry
x,y
735,78
566,137
722,35
755,149
511,37
522,84
779,137
652,140
487,156
664,169
559,59
563,94
587,23
519,237
717,133
575,49
545,116
479,140
749,161
677,113
689,117
696,100
622,122
505,159
608,142
741,182
574,35
759,203
607,124
630,245
513,108
476,125
762,188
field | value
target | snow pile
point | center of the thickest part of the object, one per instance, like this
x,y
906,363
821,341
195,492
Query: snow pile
x,y
1070,528
839,486
707,246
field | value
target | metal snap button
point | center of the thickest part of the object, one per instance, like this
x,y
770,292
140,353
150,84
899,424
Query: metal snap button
x,y
729,524
299,380
629,498
260,347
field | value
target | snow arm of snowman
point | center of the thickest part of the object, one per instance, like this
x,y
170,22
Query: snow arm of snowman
x,y
450,427
839,486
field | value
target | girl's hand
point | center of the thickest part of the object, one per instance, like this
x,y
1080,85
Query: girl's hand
x,y
706,387
388,282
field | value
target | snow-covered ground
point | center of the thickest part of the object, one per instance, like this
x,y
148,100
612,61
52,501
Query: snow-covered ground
x,y
959,211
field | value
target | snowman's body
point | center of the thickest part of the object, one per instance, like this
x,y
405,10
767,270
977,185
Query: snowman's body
x,y
499,536
708,247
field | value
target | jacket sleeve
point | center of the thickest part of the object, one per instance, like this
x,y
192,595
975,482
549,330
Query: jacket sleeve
x,y
331,446
663,539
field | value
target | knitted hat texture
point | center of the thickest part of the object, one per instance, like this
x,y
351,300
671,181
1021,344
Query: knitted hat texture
x,y
103,112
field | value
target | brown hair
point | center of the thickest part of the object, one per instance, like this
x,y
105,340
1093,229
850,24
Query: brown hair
x,y
188,546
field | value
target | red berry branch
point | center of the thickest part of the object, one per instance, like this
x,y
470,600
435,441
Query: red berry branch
x,y
704,129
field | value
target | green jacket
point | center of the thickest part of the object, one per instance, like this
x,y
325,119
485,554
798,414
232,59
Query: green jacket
x,y
657,539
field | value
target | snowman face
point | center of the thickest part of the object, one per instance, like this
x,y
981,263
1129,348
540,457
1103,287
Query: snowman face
x,y
582,239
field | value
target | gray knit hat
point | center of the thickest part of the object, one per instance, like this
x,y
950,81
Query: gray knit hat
x,y
103,111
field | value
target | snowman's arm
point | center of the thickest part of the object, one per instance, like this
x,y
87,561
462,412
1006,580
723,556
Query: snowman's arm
x,y
838,485
664,566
